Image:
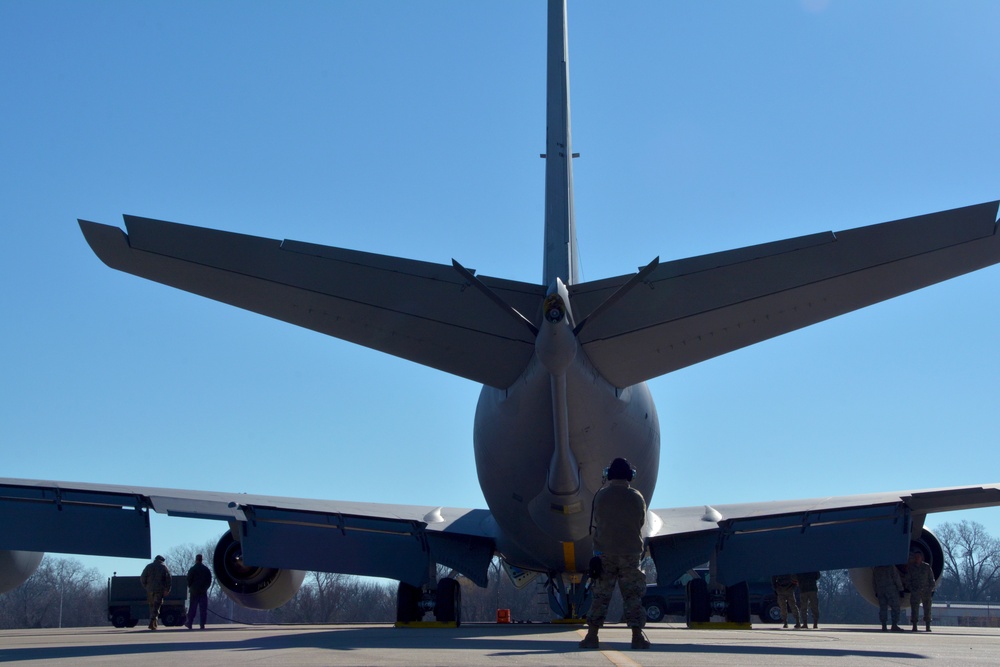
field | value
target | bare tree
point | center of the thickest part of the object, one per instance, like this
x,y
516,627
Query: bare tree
x,y
61,593
971,561
840,602
327,597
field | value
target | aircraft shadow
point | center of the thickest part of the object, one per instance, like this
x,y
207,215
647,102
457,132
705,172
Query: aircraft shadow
x,y
490,643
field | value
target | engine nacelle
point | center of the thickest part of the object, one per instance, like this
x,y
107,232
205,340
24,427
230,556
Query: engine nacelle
x,y
927,543
16,567
250,586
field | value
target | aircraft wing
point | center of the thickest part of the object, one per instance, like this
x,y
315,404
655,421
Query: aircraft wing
x,y
694,309
370,539
762,539
419,311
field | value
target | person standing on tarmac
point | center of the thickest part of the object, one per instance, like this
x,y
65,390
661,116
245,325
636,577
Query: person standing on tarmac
x,y
920,581
618,516
784,588
808,597
155,578
888,590
199,580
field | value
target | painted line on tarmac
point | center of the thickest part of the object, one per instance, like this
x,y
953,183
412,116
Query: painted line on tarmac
x,y
619,659
616,658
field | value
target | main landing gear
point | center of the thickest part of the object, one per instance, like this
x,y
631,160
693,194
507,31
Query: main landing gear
x,y
704,601
444,600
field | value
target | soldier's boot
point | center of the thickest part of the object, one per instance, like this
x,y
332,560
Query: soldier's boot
x,y
896,628
638,639
927,625
590,641
914,627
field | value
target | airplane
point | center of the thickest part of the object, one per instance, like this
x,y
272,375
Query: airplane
x,y
563,364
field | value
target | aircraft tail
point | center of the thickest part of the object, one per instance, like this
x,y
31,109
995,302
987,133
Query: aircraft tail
x,y
560,257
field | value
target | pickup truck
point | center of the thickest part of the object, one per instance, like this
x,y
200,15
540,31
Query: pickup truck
x,y
661,601
127,602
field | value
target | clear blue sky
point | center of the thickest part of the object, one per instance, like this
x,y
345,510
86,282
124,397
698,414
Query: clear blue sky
x,y
413,129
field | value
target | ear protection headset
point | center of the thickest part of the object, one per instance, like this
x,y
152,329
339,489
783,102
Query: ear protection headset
x,y
619,469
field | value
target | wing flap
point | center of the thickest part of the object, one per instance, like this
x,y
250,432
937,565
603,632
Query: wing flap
x,y
762,539
415,310
695,309
75,521
370,539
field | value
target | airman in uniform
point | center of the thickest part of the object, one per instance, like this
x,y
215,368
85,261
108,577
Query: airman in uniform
x,y
619,514
888,589
809,597
784,588
920,581
155,578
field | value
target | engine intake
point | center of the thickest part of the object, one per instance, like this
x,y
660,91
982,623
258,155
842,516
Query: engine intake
x,y
249,585
16,567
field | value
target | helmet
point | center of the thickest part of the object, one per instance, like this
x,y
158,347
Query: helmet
x,y
620,469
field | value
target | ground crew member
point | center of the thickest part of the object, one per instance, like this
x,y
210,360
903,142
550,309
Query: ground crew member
x,y
920,581
199,580
155,578
808,597
618,516
784,588
888,590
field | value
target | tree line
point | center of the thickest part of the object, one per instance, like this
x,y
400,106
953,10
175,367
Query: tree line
x,y
64,593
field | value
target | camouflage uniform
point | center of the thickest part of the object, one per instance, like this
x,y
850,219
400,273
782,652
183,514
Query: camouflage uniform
x,y
888,587
784,587
920,581
619,514
808,596
623,570
155,578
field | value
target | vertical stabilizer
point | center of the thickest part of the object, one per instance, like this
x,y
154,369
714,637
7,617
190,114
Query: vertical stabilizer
x,y
560,259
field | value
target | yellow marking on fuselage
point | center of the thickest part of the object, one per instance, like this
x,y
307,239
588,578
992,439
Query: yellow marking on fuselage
x,y
569,556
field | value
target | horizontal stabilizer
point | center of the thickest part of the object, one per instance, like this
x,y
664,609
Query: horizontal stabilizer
x,y
416,310
695,309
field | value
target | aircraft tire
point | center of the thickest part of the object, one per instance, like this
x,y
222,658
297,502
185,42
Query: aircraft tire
x,y
448,606
738,603
407,603
698,608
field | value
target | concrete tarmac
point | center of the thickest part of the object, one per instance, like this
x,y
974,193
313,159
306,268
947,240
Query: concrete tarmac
x,y
481,644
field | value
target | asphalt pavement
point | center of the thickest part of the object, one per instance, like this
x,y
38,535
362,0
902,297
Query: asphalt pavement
x,y
481,644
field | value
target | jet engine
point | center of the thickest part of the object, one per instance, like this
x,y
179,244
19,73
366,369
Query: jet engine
x,y
16,567
248,585
927,544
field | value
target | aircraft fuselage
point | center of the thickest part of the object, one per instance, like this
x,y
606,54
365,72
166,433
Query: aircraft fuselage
x,y
541,498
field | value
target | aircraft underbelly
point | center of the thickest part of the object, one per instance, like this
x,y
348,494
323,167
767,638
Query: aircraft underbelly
x,y
514,439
